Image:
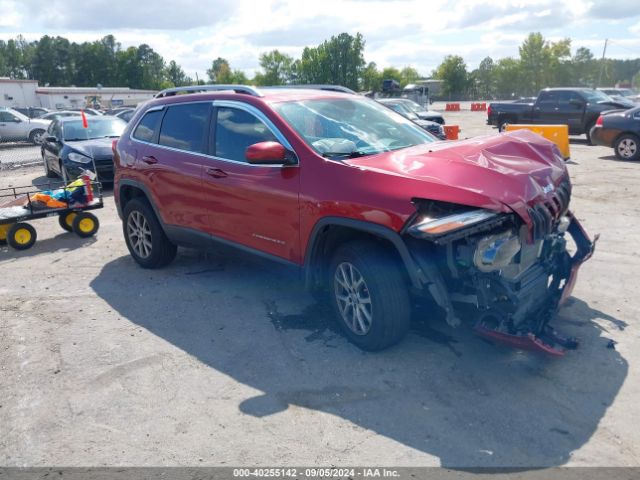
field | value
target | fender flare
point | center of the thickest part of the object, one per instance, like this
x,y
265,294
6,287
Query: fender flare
x,y
140,186
413,270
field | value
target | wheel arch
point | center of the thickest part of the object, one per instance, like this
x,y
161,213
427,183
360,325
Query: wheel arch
x,y
329,232
128,190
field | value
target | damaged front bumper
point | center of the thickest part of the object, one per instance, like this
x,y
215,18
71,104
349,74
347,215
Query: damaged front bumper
x,y
542,337
513,307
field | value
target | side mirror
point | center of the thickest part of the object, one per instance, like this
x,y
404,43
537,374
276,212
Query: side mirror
x,y
268,153
50,138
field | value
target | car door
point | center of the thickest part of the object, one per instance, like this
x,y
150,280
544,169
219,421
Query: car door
x,y
172,163
51,147
570,110
545,110
252,205
11,126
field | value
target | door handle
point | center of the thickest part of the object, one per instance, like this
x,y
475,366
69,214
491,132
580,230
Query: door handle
x,y
149,160
216,173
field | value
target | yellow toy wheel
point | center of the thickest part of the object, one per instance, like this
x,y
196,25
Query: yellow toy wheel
x,y
66,220
85,224
21,236
4,230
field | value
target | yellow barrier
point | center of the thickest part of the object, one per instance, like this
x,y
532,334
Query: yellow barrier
x,y
558,134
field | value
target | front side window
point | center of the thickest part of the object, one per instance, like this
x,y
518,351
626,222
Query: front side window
x,y
236,129
351,127
7,117
185,127
145,130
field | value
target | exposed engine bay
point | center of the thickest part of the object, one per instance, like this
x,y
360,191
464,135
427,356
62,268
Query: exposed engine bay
x,y
514,272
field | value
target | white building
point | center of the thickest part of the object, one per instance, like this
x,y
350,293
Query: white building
x,y
78,97
26,93
18,93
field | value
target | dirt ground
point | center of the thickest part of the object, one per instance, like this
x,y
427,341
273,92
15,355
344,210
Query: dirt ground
x,y
225,360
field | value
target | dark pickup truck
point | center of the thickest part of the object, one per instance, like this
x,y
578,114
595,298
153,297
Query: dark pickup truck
x,y
578,108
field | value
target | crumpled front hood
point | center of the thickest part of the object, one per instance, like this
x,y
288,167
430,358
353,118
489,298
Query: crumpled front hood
x,y
98,148
511,169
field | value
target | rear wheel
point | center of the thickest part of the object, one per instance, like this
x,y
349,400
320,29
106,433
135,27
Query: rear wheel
x,y
21,236
369,295
144,236
588,132
66,221
626,147
85,224
4,229
502,124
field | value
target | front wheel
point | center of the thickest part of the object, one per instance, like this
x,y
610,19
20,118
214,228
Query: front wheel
x,y
21,236
36,137
144,236
369,295
85,224
626,147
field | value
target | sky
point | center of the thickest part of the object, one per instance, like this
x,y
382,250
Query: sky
x,y
397,32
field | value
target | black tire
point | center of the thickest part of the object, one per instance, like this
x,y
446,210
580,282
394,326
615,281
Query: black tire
x,y
502,123
588,132
85,224
66,221
384,287
36,136
21,236
47,171
627,147
162,252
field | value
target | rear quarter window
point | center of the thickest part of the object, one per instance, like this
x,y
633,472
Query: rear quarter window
x,y
145,130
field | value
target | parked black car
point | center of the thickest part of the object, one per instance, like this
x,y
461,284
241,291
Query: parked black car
x,y
433,128
416,108
621,131
578,108
68,147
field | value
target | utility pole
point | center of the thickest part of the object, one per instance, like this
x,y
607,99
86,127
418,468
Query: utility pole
x,y
604,51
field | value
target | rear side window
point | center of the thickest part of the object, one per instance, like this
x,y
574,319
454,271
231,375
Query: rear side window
x,y
185,127
236,130
147,126
549,97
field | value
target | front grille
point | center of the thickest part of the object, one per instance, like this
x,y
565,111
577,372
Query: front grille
x,y
544,215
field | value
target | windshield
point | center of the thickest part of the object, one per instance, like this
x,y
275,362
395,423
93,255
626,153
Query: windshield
x,y
112,127
21,116
595,96
414,107
350,127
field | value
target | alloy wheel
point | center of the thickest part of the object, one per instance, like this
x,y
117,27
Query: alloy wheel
x,y
627,148
353,298
139,233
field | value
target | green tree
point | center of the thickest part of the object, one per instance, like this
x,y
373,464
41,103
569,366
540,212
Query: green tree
x,y
277,68
408,75
175,75
507,74
220,71
391,73
339,61
371,77
453,72
584,67
485,80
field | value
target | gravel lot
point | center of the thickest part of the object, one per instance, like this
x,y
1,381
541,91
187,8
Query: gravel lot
x,y
224,360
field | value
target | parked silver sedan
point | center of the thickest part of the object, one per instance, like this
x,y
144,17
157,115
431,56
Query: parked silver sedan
x,y
15,127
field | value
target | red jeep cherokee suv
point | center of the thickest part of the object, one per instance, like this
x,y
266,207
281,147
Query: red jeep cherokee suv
x,y
368,206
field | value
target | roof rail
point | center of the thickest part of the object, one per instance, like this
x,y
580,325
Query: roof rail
x,y
246,89
332,88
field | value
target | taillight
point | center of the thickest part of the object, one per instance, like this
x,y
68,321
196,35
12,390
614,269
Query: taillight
x,y
489,111
599,121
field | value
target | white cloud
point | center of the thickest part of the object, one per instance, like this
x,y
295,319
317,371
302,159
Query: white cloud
x,y
398,33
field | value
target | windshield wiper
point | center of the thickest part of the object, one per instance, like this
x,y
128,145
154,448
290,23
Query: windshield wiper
x,y
353,154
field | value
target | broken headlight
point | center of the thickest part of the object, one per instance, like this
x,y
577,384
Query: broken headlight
x,y
495,252
428,226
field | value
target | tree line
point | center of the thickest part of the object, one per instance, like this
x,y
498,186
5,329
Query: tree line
x,y
55,61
